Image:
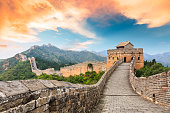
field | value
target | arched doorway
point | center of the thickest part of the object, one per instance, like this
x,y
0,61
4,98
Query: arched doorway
x,y
90,67
124,59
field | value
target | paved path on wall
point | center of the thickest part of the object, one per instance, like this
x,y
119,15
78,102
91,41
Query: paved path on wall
x,y
118,96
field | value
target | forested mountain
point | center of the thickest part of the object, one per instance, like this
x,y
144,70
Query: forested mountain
x,y
21,71
48,56
54,54
1,60
8,63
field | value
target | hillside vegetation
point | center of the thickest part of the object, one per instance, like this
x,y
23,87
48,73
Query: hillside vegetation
x,y
44,64
151,68
48,56
8,63
54,54
87,78
21,71
1,60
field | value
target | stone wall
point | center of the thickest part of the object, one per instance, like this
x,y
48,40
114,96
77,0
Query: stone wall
x,y
116,54
51,96
82,68
38,72
155,88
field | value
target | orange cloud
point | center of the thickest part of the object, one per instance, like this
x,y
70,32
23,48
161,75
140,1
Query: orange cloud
x,y
19,18
3,46
155,13
22,20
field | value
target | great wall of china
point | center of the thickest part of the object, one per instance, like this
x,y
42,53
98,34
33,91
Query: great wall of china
x,y
51,96
155,88
55,96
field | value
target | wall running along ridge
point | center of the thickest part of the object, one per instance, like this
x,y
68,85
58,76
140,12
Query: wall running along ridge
x,y
155,88
51,96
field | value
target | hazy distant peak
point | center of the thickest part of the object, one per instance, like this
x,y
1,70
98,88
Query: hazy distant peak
x,y
33,47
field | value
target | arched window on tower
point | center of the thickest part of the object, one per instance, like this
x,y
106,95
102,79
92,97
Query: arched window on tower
x,y
138,58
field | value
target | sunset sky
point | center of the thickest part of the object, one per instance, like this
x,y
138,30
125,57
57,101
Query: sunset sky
x,y
93,25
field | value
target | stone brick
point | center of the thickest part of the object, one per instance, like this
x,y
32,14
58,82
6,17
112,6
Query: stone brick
x,y
41,109
47,83
10,88
10,104
33,85
41,101
29,106
45,92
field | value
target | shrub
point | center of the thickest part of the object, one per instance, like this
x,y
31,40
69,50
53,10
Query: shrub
x,y
151,68
87,78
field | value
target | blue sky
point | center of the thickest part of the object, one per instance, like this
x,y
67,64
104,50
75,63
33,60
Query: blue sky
x,y
153,40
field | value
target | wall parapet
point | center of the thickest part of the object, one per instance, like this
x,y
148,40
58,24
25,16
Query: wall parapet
x,y
47,96
155,88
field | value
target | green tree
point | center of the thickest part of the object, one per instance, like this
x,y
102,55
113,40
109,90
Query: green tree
x,y
21,71
151,68
87,78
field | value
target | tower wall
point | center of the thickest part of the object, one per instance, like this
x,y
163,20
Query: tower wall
x,y
126,54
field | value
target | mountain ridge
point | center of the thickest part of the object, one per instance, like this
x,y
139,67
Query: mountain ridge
x,y
51,55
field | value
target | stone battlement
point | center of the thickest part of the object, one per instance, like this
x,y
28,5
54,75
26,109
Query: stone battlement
x,y
126,51
44,96
155,88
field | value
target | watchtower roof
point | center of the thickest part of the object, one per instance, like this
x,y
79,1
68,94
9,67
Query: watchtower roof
x,y
124,44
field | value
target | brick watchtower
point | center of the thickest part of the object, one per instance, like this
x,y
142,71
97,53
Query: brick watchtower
x,y
126,52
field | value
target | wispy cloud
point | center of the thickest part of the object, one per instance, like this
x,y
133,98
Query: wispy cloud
x,y
81,45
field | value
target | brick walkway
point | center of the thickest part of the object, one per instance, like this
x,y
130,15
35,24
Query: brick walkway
x,y
118,96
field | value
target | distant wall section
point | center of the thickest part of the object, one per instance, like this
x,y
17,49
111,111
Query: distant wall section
x,y
82,68
38,71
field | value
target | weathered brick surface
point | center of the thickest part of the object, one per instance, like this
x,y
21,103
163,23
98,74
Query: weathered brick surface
x,y
50,96
82,68
155,88
12,88
118,96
